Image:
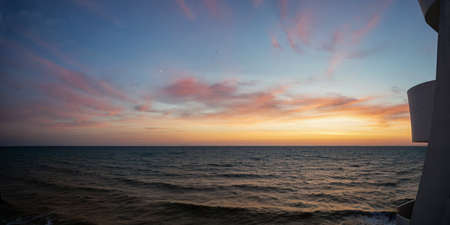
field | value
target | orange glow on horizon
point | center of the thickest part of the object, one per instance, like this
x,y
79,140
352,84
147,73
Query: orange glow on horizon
x,y
330,130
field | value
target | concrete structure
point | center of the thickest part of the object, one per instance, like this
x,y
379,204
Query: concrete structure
x,y
432,206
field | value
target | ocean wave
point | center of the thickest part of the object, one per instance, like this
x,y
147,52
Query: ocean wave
x,y
251,187
211,187
269,216
245,175
238,214
66,187
201,188
68,171
46,219
362,184
330,198
163,185
220,165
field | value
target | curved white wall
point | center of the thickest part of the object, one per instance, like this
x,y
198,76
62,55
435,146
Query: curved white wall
x,y
420,98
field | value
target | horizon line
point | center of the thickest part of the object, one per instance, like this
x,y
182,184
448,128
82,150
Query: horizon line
x,y
144,146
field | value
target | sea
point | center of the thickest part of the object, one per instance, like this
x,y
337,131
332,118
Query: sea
x,y
345,185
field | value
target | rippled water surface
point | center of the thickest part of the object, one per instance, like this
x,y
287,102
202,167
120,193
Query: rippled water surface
x,y
207,185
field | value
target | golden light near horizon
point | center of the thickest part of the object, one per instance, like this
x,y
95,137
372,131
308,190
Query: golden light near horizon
x,y
331,130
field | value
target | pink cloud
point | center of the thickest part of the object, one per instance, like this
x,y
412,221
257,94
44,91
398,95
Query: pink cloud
x,y
74,79
298,30
35,38
373,22
291,39
59,105
303,27
363,31
68,96
82,82
345,41
187,11
275,43
77,79
275,103
338,38
189,88
63,95
109,90
336,60
338,57
212,7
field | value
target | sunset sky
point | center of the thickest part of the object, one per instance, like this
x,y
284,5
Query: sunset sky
x,y
206,72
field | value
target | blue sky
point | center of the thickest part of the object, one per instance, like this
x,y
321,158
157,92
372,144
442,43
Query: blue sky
x,y
195,66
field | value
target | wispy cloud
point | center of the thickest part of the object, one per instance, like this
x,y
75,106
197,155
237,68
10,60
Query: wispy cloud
x,y
291,39
338,56
303,27
212,7
372,23
337,39
49,47
68,96
336,59
345,42
63,95
186,10
74,79
226,101
275,43
298,28
191,89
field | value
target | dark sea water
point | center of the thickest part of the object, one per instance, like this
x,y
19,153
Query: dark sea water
x,y
207,185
